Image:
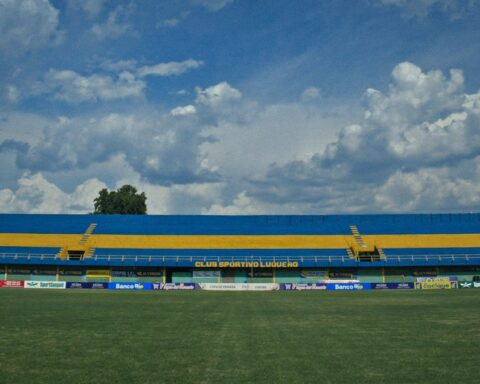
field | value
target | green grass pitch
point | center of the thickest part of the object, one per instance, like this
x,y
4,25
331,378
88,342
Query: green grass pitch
x,y
239,337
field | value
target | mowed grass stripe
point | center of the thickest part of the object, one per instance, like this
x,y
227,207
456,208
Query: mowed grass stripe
x,y
239,337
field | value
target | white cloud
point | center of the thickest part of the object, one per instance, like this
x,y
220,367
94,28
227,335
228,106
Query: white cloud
x,y
173,68
71,87
241,205
428,190
213,5
119,66
217,95
161,149
422,8
167,23
423,125
116,25
311,93
184,111
180,198
27,25
35,194
91,7
123,80
12,94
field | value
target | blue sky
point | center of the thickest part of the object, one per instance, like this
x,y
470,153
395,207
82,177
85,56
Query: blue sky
x,y
241,107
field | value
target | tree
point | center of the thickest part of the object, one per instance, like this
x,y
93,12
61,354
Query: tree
x,y
124,201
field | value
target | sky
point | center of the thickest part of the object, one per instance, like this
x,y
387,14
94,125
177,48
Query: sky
x,y
241,106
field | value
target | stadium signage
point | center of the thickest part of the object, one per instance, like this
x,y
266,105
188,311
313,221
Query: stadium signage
x,y
309,274
392,285
348,287
469,284
303,287
130,286
246,264
173,286
436,285
238,287
82,285
11,284
45,284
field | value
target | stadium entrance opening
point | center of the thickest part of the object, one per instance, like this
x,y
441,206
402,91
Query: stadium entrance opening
x,y
75,254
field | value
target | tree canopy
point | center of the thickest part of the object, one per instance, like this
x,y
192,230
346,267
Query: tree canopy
x,y
124,201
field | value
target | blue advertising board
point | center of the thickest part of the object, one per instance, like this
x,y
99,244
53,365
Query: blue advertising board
x,y
130,286
348,286
84,285
392,285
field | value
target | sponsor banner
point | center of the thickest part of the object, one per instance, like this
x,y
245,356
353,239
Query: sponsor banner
x,y
303,287
238,287
436,285
392,285
83,285
150,273
44,271
45,284
71,272
260,273
311,274
98,273
425,273
341,274
19,270
130,286
11,283
123,273
173,286
445,278
469,284
348,287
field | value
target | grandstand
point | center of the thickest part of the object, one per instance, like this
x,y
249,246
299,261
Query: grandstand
x,y
238,249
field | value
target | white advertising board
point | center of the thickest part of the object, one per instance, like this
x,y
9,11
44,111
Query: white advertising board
x,y
238,287
45,284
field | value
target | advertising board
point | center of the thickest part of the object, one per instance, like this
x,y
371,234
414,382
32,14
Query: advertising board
x,y
392,285
303,287
238,287
469,284
348,287
83,285
314,274
45,284
173,286
436,285
442,278
130,286
11,283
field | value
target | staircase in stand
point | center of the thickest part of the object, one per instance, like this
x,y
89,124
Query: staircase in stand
x,y
358,238
87,234
362,250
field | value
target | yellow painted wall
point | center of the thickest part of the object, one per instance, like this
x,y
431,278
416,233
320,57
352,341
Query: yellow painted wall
x,y
238,241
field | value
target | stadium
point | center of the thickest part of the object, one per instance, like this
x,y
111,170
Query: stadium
x,y
240,249
123,298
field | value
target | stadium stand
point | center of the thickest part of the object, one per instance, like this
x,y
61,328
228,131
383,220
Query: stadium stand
x,y
373,248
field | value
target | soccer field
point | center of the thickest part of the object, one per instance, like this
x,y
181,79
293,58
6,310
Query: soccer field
x,y
239,337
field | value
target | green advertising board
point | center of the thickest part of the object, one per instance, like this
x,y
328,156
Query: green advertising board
x,y
469,284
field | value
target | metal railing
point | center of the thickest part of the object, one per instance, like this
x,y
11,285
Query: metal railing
x,y
32,257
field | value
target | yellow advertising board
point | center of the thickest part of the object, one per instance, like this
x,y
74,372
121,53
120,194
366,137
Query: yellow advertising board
x,y
96,273
436,285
